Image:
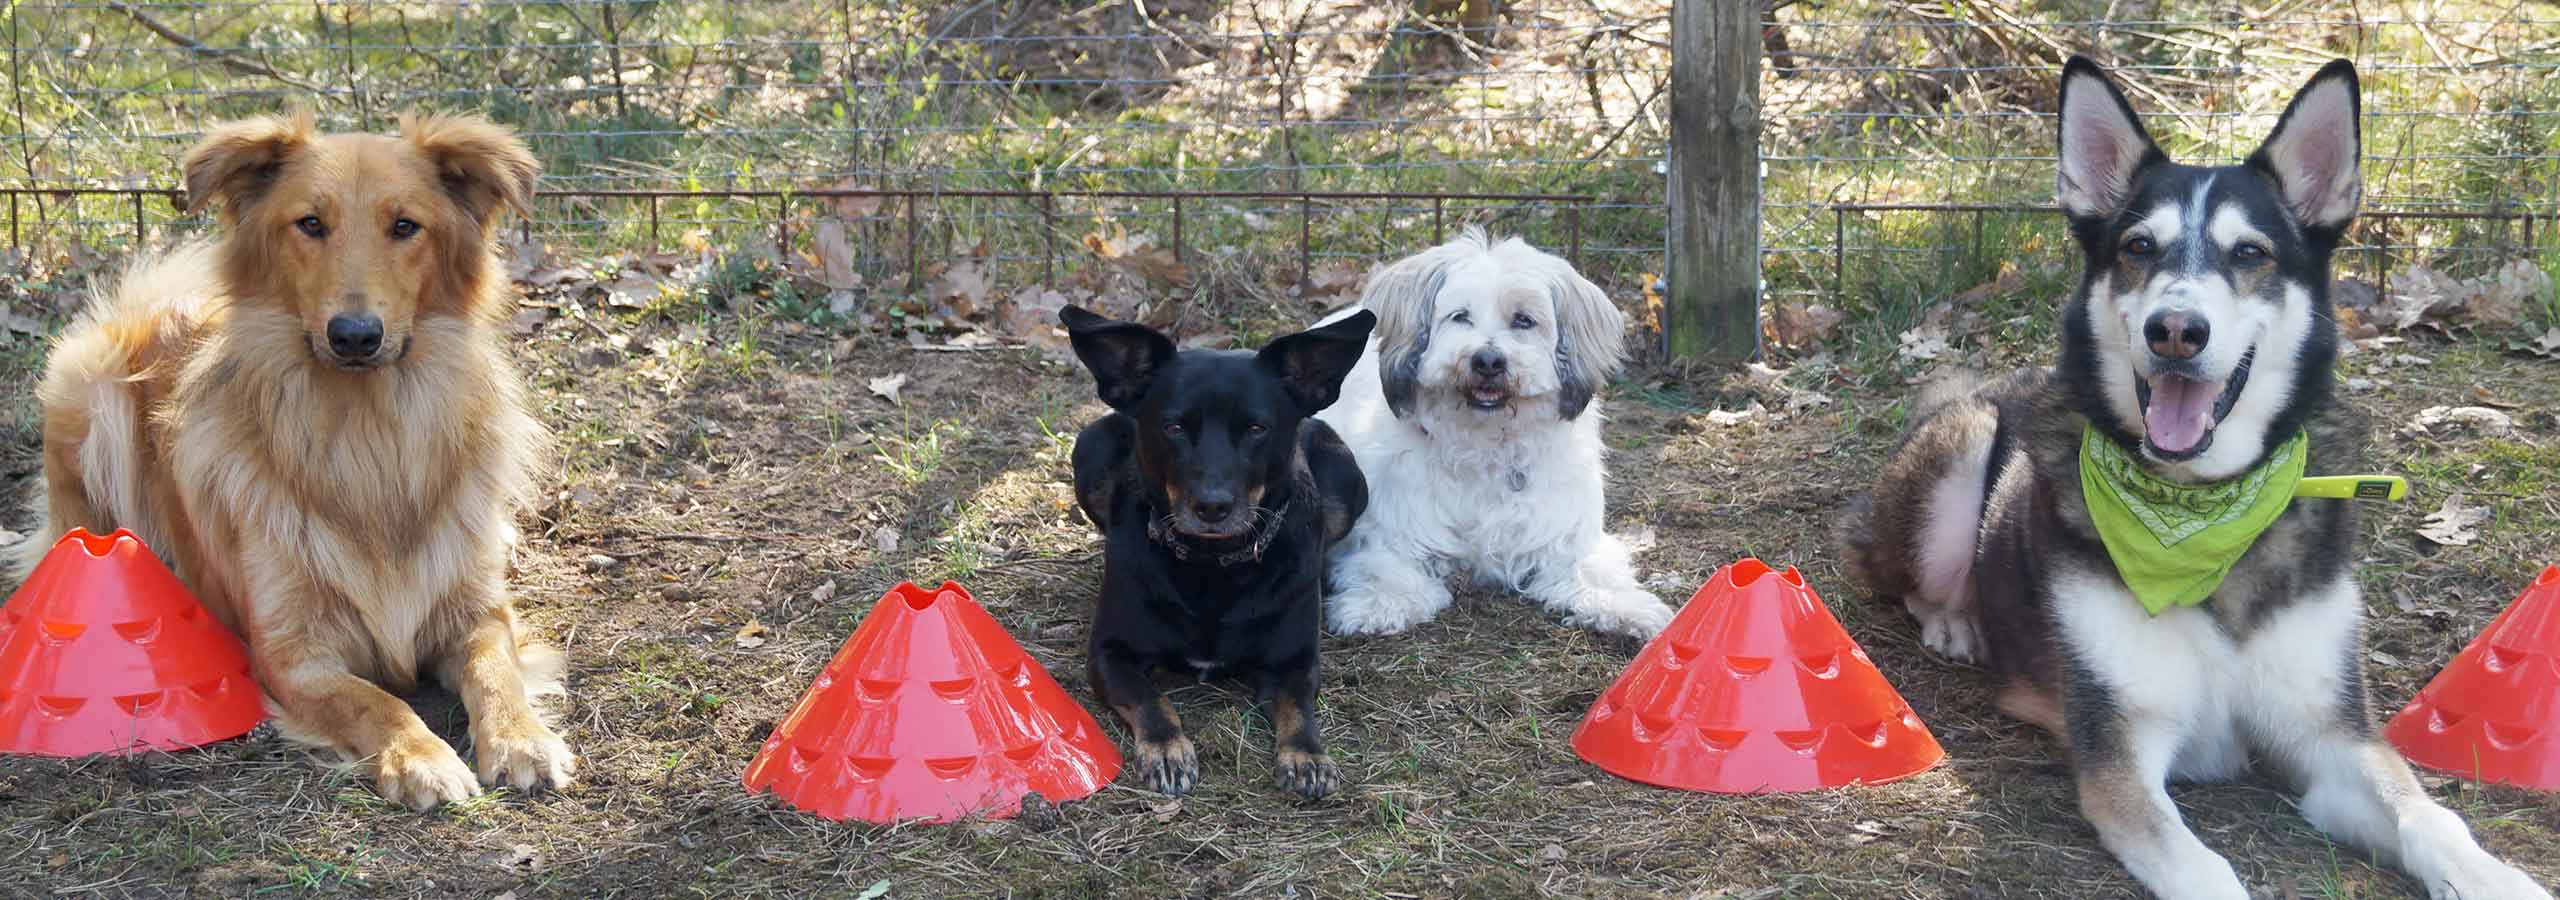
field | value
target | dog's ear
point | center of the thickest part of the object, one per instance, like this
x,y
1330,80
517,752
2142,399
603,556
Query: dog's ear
x,y
237,162
2103,147
1403,296
2312,155
1590,338
1123,356
1312,363
481,164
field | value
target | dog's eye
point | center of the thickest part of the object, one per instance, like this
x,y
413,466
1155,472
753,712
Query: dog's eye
x,y
2249,254
2141,246
1172,429
1461,317
1523,322
311,225
403,229
1256,428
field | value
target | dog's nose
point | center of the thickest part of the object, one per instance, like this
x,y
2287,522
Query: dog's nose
x,y
2176,333
1213,510
356,335
1487,363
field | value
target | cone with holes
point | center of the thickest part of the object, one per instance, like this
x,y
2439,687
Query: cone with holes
x,y
1754,688
102,650
2493,714
931,711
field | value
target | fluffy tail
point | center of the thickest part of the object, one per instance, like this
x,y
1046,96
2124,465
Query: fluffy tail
x,y
93,473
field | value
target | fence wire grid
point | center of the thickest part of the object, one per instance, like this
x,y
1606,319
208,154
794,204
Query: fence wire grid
x,y
1906,149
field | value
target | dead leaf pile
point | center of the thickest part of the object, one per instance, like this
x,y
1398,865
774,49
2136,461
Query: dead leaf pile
x,y
2420,297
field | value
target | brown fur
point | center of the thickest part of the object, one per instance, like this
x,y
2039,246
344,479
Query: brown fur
x,y
352,524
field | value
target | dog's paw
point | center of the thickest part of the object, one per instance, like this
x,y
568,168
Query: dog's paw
x,y
1362,613
1647,616
1169,767
1636,615
422,774
1953,635
2487,878
1309,775
523,755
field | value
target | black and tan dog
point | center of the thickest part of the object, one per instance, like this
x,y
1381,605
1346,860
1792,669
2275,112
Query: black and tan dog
x,y
1217,494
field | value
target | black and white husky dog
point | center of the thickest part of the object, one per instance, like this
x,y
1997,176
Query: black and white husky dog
x,y
2118,537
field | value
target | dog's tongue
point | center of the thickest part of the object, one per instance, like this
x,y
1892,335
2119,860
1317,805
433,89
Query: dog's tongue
x,y
2181,412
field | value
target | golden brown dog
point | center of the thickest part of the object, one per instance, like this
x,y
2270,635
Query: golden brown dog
x,y
312,418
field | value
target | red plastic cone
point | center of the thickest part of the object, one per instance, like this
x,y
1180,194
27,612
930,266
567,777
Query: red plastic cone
x,y
1754,688
103,651
2494,712
932,711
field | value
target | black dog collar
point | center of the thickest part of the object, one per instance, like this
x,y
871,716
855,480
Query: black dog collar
x,y
1163,533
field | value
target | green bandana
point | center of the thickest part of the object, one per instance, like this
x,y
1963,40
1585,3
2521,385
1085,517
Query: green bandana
x,y
2173,543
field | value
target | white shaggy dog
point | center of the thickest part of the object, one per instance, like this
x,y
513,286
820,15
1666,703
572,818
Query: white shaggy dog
x,y
1473,419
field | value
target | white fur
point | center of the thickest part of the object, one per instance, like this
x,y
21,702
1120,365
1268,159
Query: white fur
x,y
1948,623
1509,497
2195,704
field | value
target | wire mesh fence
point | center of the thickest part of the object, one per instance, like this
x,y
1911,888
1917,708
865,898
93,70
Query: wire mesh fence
x,y
1286,132
1906,145
1909,157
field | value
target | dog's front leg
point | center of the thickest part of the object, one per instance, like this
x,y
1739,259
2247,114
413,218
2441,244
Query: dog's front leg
x,y
509,742
1302,766
1167,762
2360,791
2311,720
2123,771
319,699
1597,589
1379,588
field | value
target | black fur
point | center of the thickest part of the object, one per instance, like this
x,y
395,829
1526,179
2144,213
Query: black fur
x,y
1181,589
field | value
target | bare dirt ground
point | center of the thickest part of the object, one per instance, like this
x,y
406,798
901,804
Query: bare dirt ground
x,y
725,474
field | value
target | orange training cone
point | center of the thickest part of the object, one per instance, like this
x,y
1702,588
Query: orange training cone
x,y
103,651
932,711
2494,712
1754,688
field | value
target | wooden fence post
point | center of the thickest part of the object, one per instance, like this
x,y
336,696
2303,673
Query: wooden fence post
x,y
1713,310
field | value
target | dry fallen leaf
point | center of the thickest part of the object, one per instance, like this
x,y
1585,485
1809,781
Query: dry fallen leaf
x,y
857,207
885,540
751,635
2007,282
1340,276
1923,344
2547,346
888,386
2436,419
836,255
1551,854
964,286
1802,325
1728,418
2456,523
